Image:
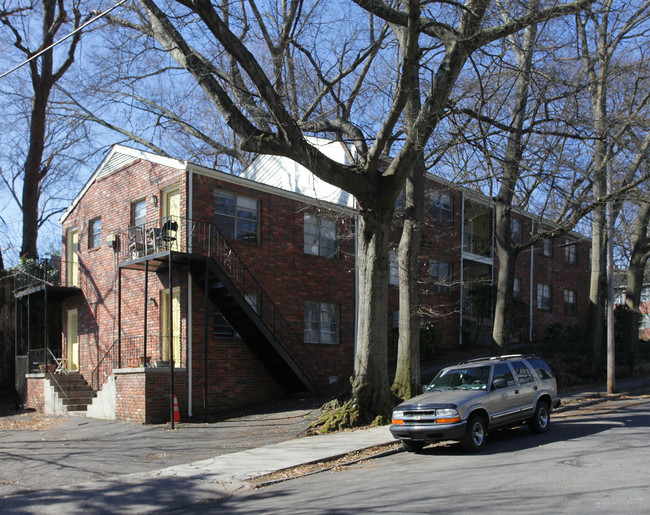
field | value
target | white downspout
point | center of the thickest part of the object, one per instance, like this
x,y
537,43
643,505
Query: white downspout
x,y
531,297
462,275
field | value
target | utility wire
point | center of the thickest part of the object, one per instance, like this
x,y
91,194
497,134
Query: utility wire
x,y
100,15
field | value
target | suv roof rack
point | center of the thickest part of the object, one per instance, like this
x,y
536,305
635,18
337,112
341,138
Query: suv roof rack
x,y
500,358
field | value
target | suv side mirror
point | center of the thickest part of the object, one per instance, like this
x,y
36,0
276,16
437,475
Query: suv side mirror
x,y
499,383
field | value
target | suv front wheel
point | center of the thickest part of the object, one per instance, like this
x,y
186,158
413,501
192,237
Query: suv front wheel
x,y
474,439
541,418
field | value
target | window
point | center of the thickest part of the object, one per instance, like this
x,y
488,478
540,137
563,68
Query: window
x,y
516,290
441,209
236,216
545,247
139,212
524,375
320,236
544,297
644,322
440,274
516,229
394,268
570,306
570,252
95,233
542,368
321,323
502,371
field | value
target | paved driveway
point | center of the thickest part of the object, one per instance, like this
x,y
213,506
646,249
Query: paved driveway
x,y
43,452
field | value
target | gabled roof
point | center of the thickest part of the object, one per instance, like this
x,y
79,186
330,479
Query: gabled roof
x,y
118,157
286,174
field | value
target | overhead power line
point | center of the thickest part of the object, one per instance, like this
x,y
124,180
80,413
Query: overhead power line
x,y
78,29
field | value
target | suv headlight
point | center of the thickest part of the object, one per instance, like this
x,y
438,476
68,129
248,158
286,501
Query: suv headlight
x,y
398,417
447,416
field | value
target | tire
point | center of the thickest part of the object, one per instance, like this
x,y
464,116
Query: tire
x,y
475,433
412,445
541,419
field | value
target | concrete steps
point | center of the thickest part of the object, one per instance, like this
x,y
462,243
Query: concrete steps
x,y
73,391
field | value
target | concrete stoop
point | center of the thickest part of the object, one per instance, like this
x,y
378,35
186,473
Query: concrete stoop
x,y
67,394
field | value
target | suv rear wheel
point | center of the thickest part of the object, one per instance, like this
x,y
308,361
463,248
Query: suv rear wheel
x,y
474,439
541,418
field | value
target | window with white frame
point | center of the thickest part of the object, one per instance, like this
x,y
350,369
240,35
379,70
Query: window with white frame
x,y
394,268
644,322
320,236
544,297
236,216
516,289
95,233
570,305
440,276
570,252
321,323
139,212
516,230
441,208
546,247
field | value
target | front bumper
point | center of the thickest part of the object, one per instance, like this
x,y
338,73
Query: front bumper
x,y
428,432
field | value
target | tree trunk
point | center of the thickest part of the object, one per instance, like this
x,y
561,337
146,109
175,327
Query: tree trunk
x,y
407,371
597,287
634,285
370,387
507,257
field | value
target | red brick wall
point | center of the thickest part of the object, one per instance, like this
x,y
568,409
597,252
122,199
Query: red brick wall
x,y
110,198
286,273
35,392
143,395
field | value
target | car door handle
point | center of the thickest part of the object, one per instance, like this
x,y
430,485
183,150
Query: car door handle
x,y
516,391
535,387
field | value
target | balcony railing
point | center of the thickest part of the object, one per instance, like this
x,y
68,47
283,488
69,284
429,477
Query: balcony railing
x,y
53,272
477,245
203,238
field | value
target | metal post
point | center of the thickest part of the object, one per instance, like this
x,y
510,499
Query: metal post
x,y
205,341
171,346
611,355
46,338
29,326
146,299
119,317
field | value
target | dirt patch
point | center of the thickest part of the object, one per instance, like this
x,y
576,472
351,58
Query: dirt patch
x,y
360,458
27,420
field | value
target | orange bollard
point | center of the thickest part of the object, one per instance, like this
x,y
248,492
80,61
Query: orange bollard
x,y
177,413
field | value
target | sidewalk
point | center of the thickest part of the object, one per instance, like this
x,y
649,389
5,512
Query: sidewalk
x,y
186,484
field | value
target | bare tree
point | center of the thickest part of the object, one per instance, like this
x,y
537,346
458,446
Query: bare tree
x,y
44,74
255,98
604,31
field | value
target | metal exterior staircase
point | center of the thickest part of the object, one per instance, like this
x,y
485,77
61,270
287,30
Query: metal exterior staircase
x,y
250,311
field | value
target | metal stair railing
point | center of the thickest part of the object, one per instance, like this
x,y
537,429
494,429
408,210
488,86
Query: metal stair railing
x,y
208,241
104,368
62,373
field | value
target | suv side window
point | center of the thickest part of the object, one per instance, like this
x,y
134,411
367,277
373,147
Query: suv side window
x,y
502,371
524,375
542,368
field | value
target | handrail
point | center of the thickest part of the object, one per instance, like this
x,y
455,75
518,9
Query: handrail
x,y
60,368
209,241
205,239
97,380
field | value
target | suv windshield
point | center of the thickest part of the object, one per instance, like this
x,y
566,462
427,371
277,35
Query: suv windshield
x,y
475,378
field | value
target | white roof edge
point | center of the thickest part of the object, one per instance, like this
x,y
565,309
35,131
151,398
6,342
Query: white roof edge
x,y
260,186
121,149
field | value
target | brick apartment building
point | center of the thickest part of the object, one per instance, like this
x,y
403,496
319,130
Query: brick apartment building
x,y
246,284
